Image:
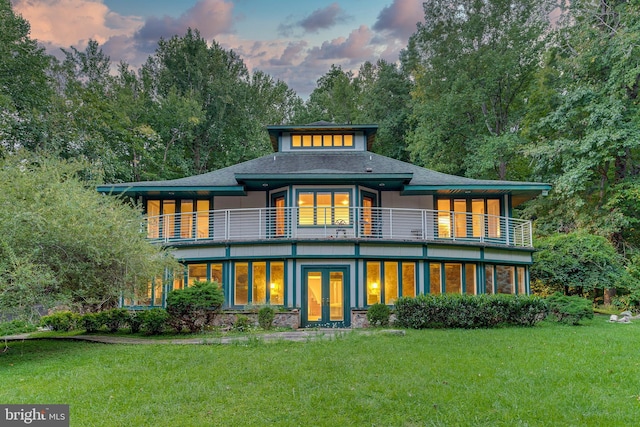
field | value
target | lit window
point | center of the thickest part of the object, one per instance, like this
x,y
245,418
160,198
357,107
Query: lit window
x,y
324,208
385,281
266,279
320,141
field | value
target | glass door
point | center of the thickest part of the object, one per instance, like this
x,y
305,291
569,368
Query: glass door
x,y
324,296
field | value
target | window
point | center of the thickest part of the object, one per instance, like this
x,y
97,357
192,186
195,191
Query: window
x,y
522,286
505,279
469,218
456,278
321,140
177,219
196,273
398,279
324,208
266,279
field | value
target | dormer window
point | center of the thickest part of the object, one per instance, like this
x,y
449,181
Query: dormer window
x,y
321,140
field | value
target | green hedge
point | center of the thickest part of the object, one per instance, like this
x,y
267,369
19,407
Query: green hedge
x,y
469,311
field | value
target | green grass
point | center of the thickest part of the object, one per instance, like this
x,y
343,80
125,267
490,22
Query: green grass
x,y
547,375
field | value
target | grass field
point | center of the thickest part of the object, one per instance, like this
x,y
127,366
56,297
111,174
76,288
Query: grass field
x,y
550,375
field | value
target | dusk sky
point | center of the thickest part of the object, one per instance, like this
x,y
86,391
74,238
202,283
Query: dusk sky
x,y
296,41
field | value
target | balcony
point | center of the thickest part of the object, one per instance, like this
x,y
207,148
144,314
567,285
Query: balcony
x,y
369,224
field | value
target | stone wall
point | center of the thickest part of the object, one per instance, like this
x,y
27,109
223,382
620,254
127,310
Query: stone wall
x,y
282,319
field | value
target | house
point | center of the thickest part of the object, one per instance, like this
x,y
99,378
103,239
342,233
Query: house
x,y
325,226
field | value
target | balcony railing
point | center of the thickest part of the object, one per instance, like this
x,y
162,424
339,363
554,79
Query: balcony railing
x,y
339,223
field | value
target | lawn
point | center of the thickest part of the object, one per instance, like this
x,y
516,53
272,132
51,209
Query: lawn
x,y
546,375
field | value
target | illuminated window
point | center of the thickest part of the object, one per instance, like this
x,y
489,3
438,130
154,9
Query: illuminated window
x,y
452,278
153,219
202,226
196,273
522,287
164,220
321,140
466,218
324,208
266,279
386,281
435,281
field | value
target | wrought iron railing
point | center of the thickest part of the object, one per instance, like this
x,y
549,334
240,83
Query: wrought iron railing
x,y
339,223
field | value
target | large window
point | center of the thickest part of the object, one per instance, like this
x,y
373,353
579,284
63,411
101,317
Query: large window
x,y
321,141
505,279
185,219
259,282
469,218
324,207
386,281
452,278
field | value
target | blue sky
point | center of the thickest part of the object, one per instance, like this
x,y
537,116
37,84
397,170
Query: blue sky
x,y
296,41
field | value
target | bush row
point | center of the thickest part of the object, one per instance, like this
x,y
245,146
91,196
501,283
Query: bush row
x,y
469,311
487,311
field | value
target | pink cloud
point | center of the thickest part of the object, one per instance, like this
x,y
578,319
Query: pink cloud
x,y
73,22
400,18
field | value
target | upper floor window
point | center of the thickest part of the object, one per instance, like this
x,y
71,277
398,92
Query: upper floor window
x,y
461,218
173,219
323,207
321,140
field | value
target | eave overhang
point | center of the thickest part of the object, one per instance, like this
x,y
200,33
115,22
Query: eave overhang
x,y
519,192
181,191
387,181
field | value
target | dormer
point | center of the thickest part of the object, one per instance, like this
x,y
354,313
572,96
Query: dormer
x,y
322,137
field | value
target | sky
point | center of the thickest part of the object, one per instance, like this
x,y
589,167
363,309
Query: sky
x,y
295,41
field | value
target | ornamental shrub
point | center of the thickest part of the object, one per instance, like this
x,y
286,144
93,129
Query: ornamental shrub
x,y
378,314
16,327
60,321
195,306
570,309
153,321
242,323
265,317
135,321
469,311
92,322
116,318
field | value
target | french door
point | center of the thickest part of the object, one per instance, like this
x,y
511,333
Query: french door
x,y
324,296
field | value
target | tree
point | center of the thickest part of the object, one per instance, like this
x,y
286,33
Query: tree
x,y
63,243
586,135
384,99
472,62
335,99
579,263
23,64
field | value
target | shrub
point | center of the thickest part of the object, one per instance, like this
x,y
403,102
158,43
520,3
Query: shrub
x,y
92,322
265,317
135,321
16,327
153,321
378,314
60,321
242,323
116,318
195,306
469,311
570,309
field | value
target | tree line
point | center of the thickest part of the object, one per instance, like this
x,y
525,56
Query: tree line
x,y
490,89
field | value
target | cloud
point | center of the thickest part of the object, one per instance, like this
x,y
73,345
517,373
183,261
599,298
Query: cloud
x,y
65,23
400,18
211,17
354,48
319,19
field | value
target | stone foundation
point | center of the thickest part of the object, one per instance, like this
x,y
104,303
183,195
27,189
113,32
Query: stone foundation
x,y
282,319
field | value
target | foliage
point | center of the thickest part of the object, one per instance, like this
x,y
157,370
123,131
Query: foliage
x,y
135,321
378,314
473,63
63,243
266,315
578,263
17,326
60,321
195,306
469,311
242,323
116,318
570,309
92,322
153,321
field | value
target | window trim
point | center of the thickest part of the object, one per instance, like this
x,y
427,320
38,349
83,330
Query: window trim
x,y
332,208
